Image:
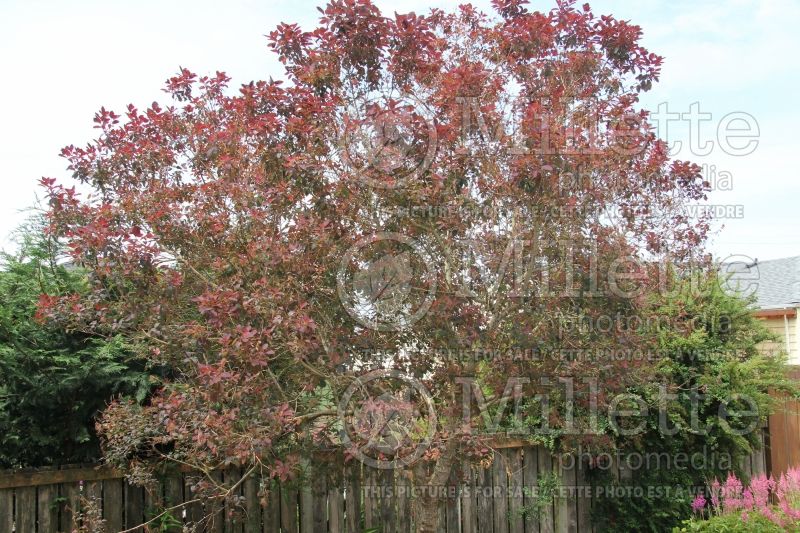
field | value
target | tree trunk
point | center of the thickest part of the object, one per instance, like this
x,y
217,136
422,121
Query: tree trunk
x,y
426,515
428,500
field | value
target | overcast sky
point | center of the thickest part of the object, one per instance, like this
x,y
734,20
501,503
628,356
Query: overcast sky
x,y
61,61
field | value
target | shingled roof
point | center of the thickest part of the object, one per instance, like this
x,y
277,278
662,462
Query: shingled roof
x,y
776,281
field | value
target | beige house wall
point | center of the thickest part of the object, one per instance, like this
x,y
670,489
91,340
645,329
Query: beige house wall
x,y
786,330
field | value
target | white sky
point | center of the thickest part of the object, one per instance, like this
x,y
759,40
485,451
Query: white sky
x,y
61,61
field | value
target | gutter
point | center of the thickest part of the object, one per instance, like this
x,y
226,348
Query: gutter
x,y
785,312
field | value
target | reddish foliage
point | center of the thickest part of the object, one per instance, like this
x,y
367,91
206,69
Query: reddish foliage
x,y
217,227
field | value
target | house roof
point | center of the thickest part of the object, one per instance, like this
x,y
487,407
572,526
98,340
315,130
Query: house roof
x,y
776,282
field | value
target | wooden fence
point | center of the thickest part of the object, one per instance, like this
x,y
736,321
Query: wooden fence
x,y
497,499
784,432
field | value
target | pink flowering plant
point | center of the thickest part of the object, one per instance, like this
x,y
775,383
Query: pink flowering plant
x,y
765,503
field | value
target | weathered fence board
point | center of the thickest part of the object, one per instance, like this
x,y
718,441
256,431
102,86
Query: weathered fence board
x,y
545,461
319,514
26,510
6,509
34,478
152,499
47,508
71,506
113,504
352,499
530,480
516,482
483,489
272,511
403,524
253,512
499,499
194,510
451,504
499,487
306,510
469,517
336,509
134,505
584,501
784,431
215,513
233,519
289,509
